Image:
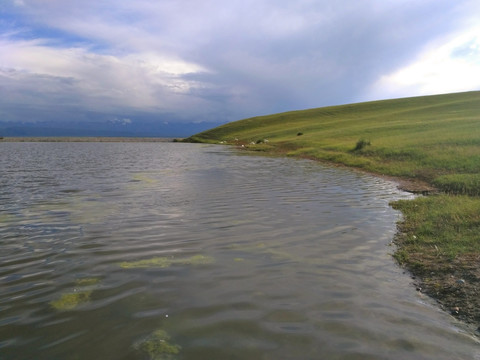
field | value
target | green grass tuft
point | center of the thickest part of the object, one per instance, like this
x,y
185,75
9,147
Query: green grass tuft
x,y
361,144
468,184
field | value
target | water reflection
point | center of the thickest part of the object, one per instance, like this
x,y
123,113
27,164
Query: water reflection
x,y
213,254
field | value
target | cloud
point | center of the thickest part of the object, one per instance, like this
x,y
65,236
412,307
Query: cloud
x,y
141,80
121,121
217,60
449,65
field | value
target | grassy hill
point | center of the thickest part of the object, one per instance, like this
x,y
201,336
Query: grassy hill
x,y
428,138
435,139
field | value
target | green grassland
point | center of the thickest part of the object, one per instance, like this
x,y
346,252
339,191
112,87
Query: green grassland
x,y
429,138
434,139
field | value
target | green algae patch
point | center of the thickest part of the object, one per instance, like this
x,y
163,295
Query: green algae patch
x,y
142,181
160,262
70,301
143,177
164,262
87,282
197,260
157,346
79,296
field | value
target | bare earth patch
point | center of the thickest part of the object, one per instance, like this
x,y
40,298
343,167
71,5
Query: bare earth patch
x,y
415,186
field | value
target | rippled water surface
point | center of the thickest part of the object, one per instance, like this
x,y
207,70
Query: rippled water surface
x,y
183,251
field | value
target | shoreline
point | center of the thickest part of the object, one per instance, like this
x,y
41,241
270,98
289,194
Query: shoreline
x,y
453,286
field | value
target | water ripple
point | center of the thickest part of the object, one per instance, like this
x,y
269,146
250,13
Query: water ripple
x,y
247,257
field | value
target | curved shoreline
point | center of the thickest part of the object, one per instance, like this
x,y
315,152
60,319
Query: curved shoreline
x,y
454,286
430,138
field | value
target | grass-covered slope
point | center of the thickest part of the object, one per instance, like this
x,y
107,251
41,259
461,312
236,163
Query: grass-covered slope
x,y
428,138
435,139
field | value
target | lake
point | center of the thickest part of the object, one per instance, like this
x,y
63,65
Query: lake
x,y
189,251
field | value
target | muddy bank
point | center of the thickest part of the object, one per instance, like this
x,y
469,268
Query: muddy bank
x,y
453,284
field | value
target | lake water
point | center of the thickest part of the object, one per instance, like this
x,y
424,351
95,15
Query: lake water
x,y
187,251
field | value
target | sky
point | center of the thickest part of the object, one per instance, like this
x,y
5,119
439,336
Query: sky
x,y
217,61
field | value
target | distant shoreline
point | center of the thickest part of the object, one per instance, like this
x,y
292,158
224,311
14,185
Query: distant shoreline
x,y
86,139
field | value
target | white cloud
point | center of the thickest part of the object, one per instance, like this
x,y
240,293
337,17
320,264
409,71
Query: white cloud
x,y
124,121
134,80
447,65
